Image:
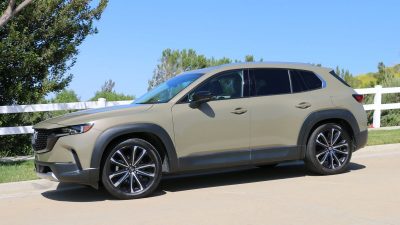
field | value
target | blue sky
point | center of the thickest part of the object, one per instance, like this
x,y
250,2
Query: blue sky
x,y
355,35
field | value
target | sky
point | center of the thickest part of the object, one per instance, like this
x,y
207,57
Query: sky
x,y
352,34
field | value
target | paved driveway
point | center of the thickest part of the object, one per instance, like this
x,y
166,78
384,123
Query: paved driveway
x,y
368,194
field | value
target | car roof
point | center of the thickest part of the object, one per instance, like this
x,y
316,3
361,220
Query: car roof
x,y
286,65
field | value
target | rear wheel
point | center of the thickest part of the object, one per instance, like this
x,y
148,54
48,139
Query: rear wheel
x,y
132,169
329,150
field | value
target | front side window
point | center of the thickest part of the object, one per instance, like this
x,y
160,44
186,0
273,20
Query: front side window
x,y
228,85
304,81
270,81
167,90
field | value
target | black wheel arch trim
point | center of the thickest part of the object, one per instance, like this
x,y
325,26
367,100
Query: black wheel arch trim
x,y
114,132
318,116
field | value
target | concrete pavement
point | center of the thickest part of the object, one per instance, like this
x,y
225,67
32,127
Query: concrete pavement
x,y
368,194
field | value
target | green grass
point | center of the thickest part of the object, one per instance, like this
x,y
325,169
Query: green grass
x,y
23,170
17,171
380,137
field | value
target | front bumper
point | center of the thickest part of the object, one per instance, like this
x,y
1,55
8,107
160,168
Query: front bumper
x,y
67,172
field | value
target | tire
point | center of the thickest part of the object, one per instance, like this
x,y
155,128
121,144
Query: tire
x,y
125,178
329,150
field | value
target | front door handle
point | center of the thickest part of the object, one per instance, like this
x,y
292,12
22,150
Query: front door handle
x,y
239,111
303,105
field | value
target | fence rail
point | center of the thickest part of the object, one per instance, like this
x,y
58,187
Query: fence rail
x,y
102,102
377,107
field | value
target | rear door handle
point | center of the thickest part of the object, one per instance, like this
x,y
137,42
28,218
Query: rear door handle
x,y
303,105
239,111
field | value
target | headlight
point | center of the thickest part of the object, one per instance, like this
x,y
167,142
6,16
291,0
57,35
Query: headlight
x,y
76,129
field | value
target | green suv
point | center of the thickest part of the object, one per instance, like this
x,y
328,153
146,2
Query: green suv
x,y
225,116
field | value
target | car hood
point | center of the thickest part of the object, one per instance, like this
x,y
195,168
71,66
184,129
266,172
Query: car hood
x,y
90,115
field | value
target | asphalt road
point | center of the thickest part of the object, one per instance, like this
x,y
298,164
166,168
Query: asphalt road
x,y
368,194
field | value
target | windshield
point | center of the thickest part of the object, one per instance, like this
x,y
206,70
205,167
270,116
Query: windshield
x,y
167,90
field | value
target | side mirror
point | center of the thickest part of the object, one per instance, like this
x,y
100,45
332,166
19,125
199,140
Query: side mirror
x,y
199,98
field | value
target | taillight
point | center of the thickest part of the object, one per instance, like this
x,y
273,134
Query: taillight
x,y
358,98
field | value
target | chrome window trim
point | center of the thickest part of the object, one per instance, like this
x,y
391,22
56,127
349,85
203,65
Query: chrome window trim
x,y
290,81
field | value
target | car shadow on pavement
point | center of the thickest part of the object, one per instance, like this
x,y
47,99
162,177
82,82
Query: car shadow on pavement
x,y
176,183
239,176
80,193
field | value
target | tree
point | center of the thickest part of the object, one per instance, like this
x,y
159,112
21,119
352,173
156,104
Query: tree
x,y
174,62
108,86
65,96
12,10
37,49
249,58
107,91
348,77
39,46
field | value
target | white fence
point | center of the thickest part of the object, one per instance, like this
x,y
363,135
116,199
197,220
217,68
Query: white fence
x,y
377,106
51,107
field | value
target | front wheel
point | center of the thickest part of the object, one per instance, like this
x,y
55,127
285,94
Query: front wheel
x,y
132,169
329,150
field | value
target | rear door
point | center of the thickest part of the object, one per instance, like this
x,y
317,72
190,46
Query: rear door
x,y
281,101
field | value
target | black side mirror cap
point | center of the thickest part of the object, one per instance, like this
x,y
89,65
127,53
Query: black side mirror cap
x,y
200,98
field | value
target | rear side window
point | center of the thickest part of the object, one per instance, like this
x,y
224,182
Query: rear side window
x,y
270,81
304,81
339,78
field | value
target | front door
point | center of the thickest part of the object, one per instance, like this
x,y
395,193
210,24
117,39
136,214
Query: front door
x,y
217,133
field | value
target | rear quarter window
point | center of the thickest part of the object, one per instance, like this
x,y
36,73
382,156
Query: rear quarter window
x,y
304,81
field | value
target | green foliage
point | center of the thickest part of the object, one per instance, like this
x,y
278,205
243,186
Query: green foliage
x,y
37,49
384,73
17,171
111,96
348,77
390,118
249,58
107,91
65,96
174,62
39,46
380,137
108,86
387,77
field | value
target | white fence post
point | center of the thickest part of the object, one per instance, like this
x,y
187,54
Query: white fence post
x,y
102,102
376,122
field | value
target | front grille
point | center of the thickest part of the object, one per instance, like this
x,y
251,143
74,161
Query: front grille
x,y
40,139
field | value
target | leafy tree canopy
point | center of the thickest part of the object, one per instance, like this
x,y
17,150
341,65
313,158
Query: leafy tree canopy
x,y
107,91
348,77
65,96
39,46
174,62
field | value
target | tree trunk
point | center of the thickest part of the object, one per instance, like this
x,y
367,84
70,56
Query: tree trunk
x,y
11,11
